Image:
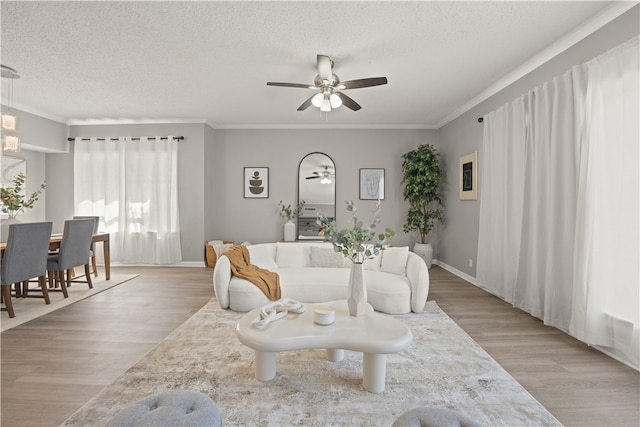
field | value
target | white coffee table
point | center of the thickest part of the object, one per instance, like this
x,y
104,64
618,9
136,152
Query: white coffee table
x,y
373,334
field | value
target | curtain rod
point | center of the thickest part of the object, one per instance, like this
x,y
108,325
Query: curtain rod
x,y
136,138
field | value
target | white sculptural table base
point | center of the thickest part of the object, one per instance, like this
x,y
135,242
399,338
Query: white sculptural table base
x,y
373,334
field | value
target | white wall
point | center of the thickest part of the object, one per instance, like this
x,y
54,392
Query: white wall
x,y
458,239
232,217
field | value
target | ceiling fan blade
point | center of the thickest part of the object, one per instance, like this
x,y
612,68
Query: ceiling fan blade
x,y
355,84
325,67
306,104
312,177
348,102
300,85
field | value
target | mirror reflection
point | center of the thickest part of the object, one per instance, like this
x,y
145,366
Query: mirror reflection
x,y
317,187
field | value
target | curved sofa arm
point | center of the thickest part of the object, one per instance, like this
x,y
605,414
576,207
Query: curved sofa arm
x,y
418,275
221,279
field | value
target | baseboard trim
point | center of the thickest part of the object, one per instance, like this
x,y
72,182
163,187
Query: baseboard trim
x,y
178,264
460,274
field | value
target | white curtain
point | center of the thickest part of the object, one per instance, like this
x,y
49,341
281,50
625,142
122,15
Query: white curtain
x,y
133,186
559,206
606,290
501,201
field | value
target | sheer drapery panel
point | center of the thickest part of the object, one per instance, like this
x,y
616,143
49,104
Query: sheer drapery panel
x,y
559,218
606,292
132,185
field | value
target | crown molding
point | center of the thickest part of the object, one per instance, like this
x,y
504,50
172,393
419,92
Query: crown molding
x,y
589,27
36,112
140,121
325,126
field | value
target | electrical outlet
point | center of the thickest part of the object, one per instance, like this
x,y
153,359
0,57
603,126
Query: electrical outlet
x,y
470,262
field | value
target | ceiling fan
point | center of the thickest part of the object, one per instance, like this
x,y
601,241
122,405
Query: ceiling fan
x,y
329,86
325,175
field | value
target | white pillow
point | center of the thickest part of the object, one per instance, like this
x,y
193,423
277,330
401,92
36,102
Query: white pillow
x,y
373,263
262,256
326,257
291,255
394,260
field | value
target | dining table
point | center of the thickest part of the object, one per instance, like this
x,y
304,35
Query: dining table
x,y
56,240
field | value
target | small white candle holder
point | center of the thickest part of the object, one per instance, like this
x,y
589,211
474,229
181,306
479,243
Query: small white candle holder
x,y
324,315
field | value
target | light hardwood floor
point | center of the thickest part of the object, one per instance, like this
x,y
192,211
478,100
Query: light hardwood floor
x,y
53,365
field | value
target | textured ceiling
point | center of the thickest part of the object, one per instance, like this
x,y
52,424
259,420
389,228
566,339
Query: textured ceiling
x,y
209,61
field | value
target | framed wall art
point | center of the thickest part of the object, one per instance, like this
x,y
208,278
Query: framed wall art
x,y
468,176
371,184
256,183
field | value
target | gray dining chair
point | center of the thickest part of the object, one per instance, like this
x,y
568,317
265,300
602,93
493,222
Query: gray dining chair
x,y
25,257
74,252
92,255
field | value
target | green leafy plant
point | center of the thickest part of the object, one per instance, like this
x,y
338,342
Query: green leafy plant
x,y
421,175
359,242
12,199
289,212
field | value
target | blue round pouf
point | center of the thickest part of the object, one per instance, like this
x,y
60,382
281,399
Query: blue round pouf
x,y
433,417
174,408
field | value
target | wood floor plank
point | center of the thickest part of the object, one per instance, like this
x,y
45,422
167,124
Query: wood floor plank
x,y
63,359
74,352
579,385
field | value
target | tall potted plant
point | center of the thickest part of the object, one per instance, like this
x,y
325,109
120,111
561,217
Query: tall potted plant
x,y
421,175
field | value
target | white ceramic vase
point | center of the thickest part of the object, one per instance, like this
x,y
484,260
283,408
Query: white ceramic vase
x,y
4,227
289,231
425,251
357,291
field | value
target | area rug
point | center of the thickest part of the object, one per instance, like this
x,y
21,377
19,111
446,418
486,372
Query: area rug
x,y
27,309
443,367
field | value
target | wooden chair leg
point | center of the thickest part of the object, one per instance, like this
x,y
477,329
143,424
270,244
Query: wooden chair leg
x,y
45,292
87,274
63,283
94,265
52,279
17,287
6,296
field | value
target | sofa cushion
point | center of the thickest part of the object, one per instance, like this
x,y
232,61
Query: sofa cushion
x,y
372,264
292,255
394,260
262,256
326,257
386,292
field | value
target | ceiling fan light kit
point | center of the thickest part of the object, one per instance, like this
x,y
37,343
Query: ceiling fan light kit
x,y
329,84
325,175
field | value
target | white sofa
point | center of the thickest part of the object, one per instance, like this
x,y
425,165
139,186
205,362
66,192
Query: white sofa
x,y
397,281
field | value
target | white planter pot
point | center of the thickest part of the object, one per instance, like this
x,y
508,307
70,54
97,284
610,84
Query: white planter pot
x,y
425,251
357,291
289,231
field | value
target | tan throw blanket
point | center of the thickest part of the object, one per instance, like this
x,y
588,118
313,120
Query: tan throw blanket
x,y
267,281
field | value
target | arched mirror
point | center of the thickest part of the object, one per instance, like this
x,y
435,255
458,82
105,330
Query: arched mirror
x,y
317,187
